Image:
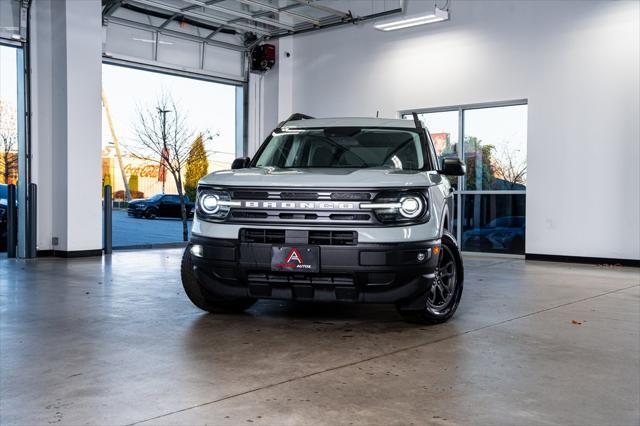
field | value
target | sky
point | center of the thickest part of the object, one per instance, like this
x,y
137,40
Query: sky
x,y
8,75
207,106
502,127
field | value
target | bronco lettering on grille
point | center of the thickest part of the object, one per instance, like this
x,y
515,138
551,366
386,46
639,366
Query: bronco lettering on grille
x,y
300,205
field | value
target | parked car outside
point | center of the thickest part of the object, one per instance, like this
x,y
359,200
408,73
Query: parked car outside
x,y
160,205
504,233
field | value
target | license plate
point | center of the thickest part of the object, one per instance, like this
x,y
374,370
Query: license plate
x,y
295,258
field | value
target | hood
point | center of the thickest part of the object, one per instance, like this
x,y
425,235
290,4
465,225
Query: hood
x,y
139,201
321,178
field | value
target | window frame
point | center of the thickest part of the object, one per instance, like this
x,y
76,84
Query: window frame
x,y
460,191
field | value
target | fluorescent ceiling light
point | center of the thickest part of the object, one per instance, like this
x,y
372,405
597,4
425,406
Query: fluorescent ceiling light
x,y
412,21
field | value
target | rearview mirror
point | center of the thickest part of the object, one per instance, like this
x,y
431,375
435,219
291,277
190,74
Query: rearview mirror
x,y
240,163
452,167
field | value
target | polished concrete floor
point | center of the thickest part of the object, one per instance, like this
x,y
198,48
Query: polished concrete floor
x,y
115,341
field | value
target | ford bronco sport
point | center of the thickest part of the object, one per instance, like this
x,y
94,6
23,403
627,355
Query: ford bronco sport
x,y
337,210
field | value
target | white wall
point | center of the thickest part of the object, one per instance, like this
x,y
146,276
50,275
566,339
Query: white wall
x,y
576,62
270,95
66,123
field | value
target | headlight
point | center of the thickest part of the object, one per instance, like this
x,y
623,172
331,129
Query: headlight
x,y
398,207
209,203
213,204
411,207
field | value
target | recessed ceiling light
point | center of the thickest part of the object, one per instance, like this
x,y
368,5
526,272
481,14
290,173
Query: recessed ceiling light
x,y
437,15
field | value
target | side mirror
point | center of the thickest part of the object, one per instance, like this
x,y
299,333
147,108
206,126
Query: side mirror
x,y
452,167
240,163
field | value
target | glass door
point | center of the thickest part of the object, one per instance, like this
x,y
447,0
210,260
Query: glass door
x,y
490,200
9,131
494,192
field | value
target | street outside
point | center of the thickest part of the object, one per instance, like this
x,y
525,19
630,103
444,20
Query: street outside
x,y
129,231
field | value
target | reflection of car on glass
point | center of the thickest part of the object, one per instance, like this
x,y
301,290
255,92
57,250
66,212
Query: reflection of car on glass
x,y
160,205
502,233
3,216
329,210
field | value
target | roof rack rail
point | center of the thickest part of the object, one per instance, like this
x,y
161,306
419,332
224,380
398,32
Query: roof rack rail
x,y
416,120
295,116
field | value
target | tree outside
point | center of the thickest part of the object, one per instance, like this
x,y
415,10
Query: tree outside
x,y
479,161
511,168
197,167
8,143
163,137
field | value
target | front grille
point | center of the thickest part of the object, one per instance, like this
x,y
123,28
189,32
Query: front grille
x,y
289,279
302,206
298,216
248,215
333,238
351,196
318,238
299,195
264,236
351,217
250,195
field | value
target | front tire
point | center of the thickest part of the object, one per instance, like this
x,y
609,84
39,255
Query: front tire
x,y
200,297
150,214
443,295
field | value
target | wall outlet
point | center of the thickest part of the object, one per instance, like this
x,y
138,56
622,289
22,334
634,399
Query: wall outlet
x,y
54,241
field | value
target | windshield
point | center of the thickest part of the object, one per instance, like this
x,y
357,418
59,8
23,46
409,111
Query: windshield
x,y
155,197
343,147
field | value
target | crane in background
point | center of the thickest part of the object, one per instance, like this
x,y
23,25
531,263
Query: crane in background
x,y
116,143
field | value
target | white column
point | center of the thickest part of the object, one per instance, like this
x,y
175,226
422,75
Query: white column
x,y
66,122
255,126
271,95
285,78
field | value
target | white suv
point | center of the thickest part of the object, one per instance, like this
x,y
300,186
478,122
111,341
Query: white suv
x,y
329,210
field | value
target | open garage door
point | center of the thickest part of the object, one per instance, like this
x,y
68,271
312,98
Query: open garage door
x,y
161,133
15,176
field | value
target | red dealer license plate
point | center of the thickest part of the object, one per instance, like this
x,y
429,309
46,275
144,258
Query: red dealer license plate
x,y
295,259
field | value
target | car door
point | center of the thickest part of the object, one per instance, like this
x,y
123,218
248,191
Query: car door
x,y
165,206
173,206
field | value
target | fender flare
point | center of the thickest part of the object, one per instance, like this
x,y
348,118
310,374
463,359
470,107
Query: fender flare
x,y
444,218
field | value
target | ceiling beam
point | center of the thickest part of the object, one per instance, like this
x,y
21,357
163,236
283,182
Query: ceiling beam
x,y
185,9
111,7
201,16
322,7
244,15
281,11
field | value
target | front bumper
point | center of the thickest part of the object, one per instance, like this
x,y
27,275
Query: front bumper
x,y
365,273
133,211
